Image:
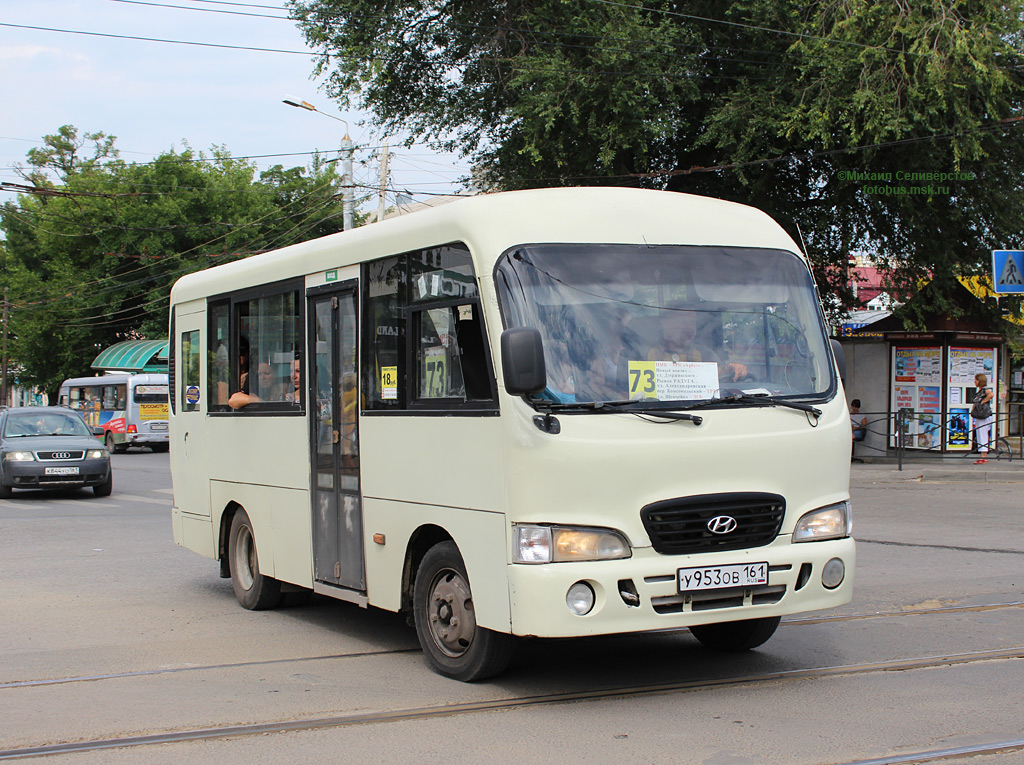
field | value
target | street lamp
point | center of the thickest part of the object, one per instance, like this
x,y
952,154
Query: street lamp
x,y
346,163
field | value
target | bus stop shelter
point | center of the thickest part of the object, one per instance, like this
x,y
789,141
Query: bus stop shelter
x,y
133,356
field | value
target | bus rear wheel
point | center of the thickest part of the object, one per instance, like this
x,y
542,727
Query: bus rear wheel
x,y
254,591
736,636
446,621
112,446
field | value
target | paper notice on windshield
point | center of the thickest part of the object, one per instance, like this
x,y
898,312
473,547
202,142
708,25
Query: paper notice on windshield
x,y
673,380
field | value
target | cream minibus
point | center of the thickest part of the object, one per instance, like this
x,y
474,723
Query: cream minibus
x,y
546,413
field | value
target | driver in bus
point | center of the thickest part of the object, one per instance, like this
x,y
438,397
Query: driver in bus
x,y
678,334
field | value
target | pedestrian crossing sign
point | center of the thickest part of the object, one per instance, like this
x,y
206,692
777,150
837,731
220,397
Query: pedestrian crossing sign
x,y
1008,270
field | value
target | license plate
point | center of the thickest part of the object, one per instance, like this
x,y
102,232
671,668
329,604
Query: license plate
x,y
61,471
719,577
158,426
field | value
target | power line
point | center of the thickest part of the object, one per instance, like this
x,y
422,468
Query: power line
x,y
156,39
202,10
511,62
242,5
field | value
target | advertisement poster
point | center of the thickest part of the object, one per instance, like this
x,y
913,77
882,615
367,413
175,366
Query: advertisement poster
x,y
922,366
917,392
964,364
957,435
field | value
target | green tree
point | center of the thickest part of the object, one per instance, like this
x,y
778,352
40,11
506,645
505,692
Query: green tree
x,y
89,257
801,109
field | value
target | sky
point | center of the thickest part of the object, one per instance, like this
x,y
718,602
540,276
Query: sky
x,y
157,95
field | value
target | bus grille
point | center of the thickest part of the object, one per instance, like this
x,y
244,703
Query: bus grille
x,y
678,526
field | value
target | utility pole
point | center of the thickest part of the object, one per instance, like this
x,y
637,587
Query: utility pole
x,y
3,381
346,178
383,183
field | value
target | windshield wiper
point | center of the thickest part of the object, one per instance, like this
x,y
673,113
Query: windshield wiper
x,y
759,399
606,407
668,409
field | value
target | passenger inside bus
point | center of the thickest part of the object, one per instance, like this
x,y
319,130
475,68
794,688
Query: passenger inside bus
x,y
295,395
241,397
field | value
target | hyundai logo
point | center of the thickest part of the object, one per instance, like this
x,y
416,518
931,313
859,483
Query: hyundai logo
x,y
62,455
722,524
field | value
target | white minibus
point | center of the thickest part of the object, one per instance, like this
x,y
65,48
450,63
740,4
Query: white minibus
x,y
545,413
131,408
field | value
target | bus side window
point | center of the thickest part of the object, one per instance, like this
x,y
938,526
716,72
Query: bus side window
x,y
384,333
452,361
219,360
439,364
189,361
472,348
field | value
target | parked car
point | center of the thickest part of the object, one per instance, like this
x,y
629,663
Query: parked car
x,y
45,447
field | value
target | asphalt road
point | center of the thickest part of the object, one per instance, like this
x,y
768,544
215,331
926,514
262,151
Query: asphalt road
x,y
108,631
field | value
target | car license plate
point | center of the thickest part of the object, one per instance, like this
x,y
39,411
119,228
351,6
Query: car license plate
x,y
158,426
719,577
61,471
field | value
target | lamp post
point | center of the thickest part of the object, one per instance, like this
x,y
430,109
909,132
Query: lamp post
x,y
346,161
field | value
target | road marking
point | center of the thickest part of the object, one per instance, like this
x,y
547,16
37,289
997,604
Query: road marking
x,y
164,491
150,500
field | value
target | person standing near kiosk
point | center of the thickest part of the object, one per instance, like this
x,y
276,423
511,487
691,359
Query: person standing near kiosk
x,y
983,416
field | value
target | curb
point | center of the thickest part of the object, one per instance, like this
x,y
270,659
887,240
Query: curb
x,y
1005,473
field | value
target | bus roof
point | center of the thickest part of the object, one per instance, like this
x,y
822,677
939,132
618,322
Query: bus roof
x,y
491,223
116,378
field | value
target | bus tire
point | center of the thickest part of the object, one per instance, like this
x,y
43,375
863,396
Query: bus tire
x,y
736,636
109,442
253,590
445,619
104,489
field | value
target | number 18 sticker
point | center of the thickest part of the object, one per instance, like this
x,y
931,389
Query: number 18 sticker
x,y
389,383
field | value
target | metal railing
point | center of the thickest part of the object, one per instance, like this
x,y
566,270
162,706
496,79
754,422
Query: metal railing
x,y
900,432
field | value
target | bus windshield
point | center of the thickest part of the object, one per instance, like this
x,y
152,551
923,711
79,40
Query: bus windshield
x,y
668,323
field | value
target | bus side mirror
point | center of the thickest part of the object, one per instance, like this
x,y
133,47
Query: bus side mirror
x,y
840,354
522,361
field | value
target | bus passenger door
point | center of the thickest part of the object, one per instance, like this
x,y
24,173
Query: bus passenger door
x,y
334,438
188,452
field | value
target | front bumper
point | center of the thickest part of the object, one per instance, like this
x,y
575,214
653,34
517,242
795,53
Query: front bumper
x,y
33,475
794,585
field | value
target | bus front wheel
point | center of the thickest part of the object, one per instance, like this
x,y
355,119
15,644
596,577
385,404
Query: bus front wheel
x,y
736,636
446,621
254,591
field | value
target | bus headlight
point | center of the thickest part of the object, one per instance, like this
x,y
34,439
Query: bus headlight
x,y
559,544
831,522
19,457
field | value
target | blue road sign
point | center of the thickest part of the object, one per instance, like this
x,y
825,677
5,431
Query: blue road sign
x,y
1008,270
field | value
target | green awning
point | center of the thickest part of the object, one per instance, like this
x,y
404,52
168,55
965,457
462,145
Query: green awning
x,y
133,356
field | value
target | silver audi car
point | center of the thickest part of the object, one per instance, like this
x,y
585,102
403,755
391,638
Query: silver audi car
x,y
43,447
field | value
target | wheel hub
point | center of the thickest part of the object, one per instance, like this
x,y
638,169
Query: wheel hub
x,y
452,621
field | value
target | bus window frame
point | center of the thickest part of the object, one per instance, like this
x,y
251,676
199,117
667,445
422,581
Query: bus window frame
x,y
296,285
409,309
425,404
